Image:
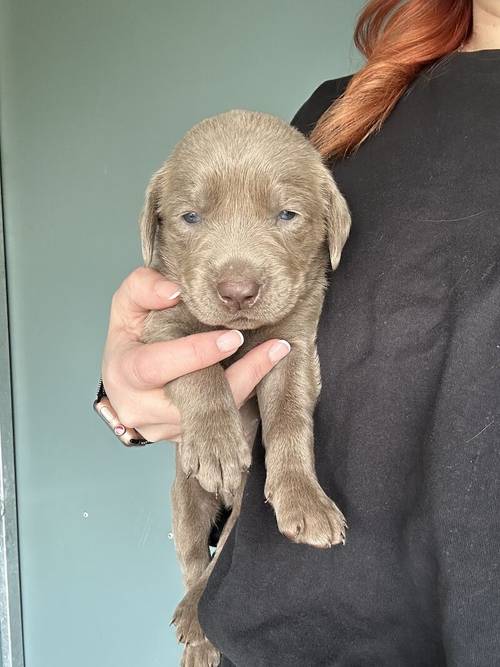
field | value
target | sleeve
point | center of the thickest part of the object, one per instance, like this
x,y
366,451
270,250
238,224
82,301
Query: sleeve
x,y
318,102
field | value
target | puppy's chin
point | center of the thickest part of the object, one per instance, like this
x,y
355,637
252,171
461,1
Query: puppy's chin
x,y
247,319
231,320
242,322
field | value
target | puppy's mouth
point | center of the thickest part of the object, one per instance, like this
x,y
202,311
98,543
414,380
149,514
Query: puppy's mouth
x,y
240,306
260,315
235,319
242,320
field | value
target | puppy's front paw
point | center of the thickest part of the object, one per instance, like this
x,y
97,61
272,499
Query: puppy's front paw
x,y
201,655
216,452
304,513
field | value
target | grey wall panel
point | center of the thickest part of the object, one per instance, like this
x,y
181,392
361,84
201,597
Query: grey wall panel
x,y
94,95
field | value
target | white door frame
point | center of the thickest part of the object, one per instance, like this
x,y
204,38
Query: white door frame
x,y
11,632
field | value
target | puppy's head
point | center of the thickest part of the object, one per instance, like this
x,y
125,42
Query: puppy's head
x,y
240,215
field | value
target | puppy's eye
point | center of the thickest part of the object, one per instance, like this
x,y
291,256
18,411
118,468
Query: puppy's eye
x,y
191,217
286,215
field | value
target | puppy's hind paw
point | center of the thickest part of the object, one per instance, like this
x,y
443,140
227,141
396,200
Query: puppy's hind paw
x,y
185,619
200,655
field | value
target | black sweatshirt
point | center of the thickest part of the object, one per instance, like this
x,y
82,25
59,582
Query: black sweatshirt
x,y
408,422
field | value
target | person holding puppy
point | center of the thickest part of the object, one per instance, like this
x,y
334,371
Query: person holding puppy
x,y
406,428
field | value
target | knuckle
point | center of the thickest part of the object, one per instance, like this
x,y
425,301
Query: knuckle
x,y
130,285
141,367
110,381
133,282
116,301
115,297
127,415
138,275
199,354
257,371
112,377
119,307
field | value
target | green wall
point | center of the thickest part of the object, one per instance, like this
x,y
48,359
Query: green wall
x,y
93,96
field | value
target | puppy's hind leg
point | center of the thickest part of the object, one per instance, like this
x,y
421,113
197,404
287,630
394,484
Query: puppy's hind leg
x,y
199,651
287,395
194,512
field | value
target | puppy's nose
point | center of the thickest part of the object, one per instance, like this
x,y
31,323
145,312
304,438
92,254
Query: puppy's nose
x,y
239,294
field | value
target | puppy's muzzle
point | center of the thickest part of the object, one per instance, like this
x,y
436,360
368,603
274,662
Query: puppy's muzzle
x,y
238,294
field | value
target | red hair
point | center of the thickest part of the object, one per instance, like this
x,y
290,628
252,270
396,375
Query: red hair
x,y
398,39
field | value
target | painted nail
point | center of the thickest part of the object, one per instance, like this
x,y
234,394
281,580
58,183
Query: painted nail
x,y
164,290
279,350
230,340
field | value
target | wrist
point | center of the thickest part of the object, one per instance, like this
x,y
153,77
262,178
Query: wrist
x,y
128,435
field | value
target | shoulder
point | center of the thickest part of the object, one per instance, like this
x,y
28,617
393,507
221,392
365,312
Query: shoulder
x,y
318,102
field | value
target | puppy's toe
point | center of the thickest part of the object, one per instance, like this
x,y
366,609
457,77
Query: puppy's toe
x,y
222,465
218,472
326,526
337,522
189,459
217,454
201,655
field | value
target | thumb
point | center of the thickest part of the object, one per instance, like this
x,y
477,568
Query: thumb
x,y
142,290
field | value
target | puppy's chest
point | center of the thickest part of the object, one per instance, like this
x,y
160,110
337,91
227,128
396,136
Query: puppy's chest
x,y
251,340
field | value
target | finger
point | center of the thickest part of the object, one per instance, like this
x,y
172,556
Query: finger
x,y
142,290
143,408
153,365
246,373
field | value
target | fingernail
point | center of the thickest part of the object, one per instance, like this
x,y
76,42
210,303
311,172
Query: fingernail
x,y
230,340
164,290
279,350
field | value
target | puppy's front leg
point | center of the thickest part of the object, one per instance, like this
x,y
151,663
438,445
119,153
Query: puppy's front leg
x,y
213,446
287,397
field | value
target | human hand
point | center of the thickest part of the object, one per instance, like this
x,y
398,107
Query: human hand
x,y
134,373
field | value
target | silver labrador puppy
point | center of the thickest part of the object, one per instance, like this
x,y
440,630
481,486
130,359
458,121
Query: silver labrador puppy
x,y
243,215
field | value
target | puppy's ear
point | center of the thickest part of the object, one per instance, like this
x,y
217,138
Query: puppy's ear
x,y
150,217
337,218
